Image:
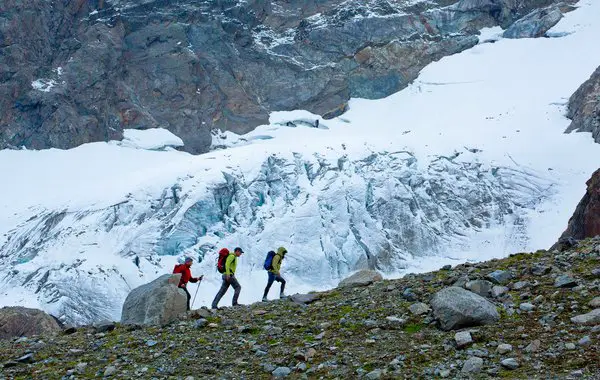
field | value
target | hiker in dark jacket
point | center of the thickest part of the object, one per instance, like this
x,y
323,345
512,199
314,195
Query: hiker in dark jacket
x,y
229,279
275,273
186,276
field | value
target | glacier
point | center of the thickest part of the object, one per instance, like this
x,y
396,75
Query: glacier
x,y
468,163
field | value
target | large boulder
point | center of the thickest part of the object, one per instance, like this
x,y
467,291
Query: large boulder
x,y
22,321
456,307
535,24
585,221
361,278
156,303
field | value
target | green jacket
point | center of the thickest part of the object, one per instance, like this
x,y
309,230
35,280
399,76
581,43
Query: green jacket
x,y
230,264
277,259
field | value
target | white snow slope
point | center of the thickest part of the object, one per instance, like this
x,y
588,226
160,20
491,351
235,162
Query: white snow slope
x,y
469,162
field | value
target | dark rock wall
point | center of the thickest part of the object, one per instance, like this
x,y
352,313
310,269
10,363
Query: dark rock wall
x,y
584,107
77,71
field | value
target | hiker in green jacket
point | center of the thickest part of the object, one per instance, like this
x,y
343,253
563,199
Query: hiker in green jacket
x,y
229,279
275,273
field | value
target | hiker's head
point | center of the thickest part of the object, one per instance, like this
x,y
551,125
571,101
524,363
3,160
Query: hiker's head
x,y
281,251
238,251
188,261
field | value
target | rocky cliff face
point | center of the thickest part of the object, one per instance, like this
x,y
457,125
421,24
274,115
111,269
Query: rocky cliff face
x,y
584,107
585,222
80,71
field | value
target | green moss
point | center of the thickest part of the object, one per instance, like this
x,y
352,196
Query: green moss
x,y
412,328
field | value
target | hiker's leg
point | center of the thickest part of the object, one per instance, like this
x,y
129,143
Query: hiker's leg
x,y
220,294
237,287
188,295
282,280
270,280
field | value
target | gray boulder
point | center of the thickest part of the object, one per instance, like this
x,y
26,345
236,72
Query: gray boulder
x,y
361,278
16,321
589,319
481,287
305,299
156,303
535,24
500,277
472,365
565,281
456,307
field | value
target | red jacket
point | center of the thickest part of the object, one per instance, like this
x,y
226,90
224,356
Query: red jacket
x,y
186,274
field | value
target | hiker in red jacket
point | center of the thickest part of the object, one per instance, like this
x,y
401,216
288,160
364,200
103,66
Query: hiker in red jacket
x,y
186,275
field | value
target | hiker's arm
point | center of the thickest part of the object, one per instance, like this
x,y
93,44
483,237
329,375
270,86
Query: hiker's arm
x,y
196,279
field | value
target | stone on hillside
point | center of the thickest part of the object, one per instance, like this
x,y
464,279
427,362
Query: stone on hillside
x,y
305,299
570,346
510,363
540,270
596,272
504,348
361,278
110,370
585,341
499,277
595,303
395,320
589,319
374,375
456,307
472,365
26,359
104,326
526,306
461,282
408,295
281,372
533,346
419,308
22,321
499,291
200,313
156,303
565,281
481,287
463,338
521,285
535,24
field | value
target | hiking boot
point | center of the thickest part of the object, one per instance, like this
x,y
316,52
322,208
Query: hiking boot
x,y
265,299
282,296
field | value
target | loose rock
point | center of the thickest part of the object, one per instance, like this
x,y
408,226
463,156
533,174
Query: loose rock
x,y
472,365
463,338
510,363
504,348
361,278
456,307
589,319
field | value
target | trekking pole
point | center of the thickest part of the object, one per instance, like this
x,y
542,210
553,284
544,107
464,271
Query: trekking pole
x,y
196,294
